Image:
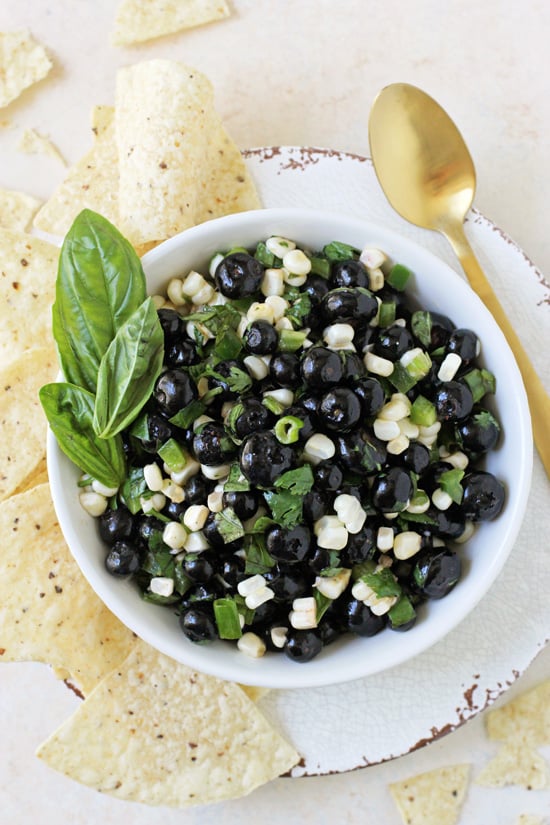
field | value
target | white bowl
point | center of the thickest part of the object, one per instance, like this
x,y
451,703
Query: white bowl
x,y
436,287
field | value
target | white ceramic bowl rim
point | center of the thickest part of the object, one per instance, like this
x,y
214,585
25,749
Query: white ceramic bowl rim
x,y
438,287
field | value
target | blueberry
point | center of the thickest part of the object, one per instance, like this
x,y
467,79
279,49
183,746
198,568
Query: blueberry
x,y
328,475
371,394
321,367
436,572
303,645
391,490
479,432
173,326
288,582
173,391
263,458
483,496
349,274
288,545
197,623
393,342
340,409
239,275
253,417
360,619
116,525
123,559
261,338
464,343
284,369
211,445
182,353
453,401
244,504
350,306
200,567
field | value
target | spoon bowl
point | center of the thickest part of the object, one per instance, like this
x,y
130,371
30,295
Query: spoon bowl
x,y
428,176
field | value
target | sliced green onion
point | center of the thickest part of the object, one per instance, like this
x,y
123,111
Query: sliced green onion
x,y
402,612
291,340
386,313
320,266
287,429
398,276
273,405
173,455
401,378
480,383
423,412
420,365
226,615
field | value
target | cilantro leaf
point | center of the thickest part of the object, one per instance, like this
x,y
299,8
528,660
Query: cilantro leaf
x,y
383,583
285,507
298,482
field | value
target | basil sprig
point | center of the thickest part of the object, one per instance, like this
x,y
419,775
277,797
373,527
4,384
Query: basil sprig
x,y
128,371
110,344
70,411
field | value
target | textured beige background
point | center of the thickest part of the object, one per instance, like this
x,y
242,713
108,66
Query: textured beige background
x,y
300,72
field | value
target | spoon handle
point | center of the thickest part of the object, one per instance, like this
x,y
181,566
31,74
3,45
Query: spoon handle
x,y
539,400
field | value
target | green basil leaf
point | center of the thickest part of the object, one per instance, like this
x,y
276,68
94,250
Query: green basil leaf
x,y
100,284
70,411
128,371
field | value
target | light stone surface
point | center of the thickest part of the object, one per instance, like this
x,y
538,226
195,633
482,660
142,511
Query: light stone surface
x,y
305,74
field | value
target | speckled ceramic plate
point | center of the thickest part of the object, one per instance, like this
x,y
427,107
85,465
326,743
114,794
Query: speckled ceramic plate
x,y
386,715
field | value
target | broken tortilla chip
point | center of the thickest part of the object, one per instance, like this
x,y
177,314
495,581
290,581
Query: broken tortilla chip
x,y
140,20
101,118
155,731
432,798
28,268
33,143
23,62
92,183
23,423
48,611
177,165
525,719
516,764
16,209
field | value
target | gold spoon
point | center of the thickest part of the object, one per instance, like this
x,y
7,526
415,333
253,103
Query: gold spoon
x,y
428,176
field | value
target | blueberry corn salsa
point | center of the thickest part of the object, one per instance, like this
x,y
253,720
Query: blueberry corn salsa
x,y
308,462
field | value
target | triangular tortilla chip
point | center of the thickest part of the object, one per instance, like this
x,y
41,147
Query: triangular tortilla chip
x,y
525,719
516,764
23,62
92,183
177,165
157,732
48,611
432,798
16,209
28,269
140,20
22,422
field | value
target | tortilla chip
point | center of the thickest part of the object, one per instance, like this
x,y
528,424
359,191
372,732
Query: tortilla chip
x,y
92,183
28,268
16,209
23,62
33,143
254,693
140,20
177,165
48,611
525,719
38,476
23,424
101,118
530,819
432,798
516,764
155,731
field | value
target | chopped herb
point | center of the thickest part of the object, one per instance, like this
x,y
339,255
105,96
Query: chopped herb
x,y
402,612
133,489
258,560
236,482
157,598
229,525
320,266
322,603
285,507
450,483
228,344
383,583
421,326
237,381
264,256
216,319
298,482
338,251
261,525
362,569
299,309
184,418
159,563
246,612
